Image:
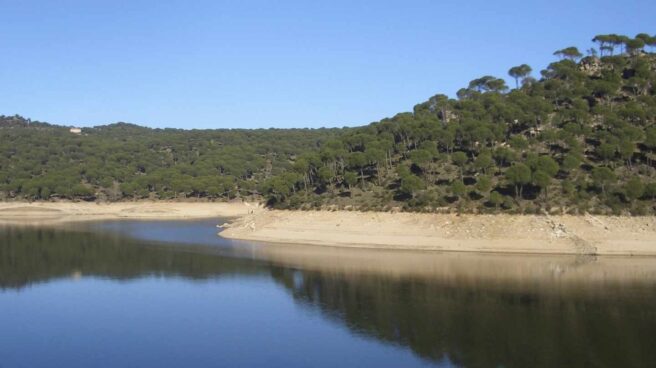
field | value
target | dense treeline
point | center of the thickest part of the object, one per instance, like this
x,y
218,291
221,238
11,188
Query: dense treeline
x,y
581,137
119,161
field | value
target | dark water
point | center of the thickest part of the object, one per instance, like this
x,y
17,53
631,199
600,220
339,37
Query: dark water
x,y
173,294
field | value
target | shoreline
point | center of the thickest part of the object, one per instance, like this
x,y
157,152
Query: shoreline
x,y
500,233
54,213
516,234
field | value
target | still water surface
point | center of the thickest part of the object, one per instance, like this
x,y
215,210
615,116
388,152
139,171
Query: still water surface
x,y
171,294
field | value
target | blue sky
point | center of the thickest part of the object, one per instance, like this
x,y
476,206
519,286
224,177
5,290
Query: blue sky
x,y
237,64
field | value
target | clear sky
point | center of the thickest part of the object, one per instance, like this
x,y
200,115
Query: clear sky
x,y
235,64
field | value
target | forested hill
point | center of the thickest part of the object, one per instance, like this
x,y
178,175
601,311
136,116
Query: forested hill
x,y
578,136
126,161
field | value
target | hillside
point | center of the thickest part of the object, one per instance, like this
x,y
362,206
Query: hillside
x,y
579,138
119,161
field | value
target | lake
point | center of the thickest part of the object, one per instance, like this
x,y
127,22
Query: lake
x,y
173,293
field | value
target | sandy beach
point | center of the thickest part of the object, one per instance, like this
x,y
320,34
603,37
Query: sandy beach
x,y
449,232
602,235
49,213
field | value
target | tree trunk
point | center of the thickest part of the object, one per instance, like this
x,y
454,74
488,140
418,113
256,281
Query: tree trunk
x,y
377,174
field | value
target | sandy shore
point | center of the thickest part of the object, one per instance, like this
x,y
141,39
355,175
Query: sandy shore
x,y
443,232
46,213
476,233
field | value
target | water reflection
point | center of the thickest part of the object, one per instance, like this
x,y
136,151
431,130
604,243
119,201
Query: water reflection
x,y
478,327
30,255
471,310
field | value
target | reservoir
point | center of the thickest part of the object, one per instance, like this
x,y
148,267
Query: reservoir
x,y
173,293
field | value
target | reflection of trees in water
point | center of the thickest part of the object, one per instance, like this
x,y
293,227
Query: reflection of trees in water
x,y
472,324
476,326
34,255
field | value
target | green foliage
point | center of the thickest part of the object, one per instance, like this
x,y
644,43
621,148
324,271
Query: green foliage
x,y
547,165
650,190
519,72
634,188
518,175
571,162
542,180
483,162
459,158
488,83
496,199
458,188
350,178
42,161
483,184
410,184
569,52
602,177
